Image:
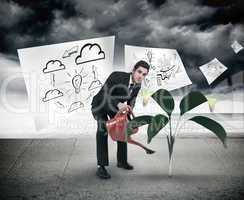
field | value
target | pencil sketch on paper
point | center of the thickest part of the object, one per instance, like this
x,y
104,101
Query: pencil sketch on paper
x,y
59,105
76,105
68,74
52,94
90,52
166,68
95,82
70,52
76,82
53,65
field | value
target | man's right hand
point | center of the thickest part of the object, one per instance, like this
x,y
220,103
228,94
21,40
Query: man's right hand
x,y
124,107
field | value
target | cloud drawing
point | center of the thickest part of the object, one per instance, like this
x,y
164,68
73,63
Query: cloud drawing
x,y
52,94
90,52
53,65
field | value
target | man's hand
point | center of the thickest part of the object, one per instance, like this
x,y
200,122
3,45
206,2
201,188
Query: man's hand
x,y
124,107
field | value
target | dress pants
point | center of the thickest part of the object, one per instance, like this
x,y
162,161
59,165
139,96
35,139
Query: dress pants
x,y
102,143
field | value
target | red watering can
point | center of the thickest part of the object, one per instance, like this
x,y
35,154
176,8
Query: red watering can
x,y
116,128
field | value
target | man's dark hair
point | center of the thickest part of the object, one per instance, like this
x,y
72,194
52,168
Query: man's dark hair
x,y
143,64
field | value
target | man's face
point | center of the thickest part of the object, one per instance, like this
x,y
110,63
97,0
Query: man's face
x,y
139,74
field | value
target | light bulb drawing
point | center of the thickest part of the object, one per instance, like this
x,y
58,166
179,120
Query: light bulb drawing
x,y
76,82
149,55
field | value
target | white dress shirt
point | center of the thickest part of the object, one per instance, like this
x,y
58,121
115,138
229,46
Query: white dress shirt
x,y
120,104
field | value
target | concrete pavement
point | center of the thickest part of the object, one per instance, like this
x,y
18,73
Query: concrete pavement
x,y
65,169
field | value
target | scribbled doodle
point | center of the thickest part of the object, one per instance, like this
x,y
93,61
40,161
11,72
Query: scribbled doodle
x,y
164,74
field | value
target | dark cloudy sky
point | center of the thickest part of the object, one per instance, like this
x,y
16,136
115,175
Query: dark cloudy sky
x,y
199,29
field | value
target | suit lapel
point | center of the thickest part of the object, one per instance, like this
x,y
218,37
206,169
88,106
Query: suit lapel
x,y
128,79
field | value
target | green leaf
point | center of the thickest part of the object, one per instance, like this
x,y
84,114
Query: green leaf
x,y
158,122
213,126
137,122
191,100
165,100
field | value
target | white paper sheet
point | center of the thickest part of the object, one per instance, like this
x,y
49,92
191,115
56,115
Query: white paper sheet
x,y
61,79
236,46
212,70
166,68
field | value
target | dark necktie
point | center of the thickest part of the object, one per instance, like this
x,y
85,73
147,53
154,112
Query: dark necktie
x,y
131,88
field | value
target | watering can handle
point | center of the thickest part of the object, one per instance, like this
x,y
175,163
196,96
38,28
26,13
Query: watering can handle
x,y
127,111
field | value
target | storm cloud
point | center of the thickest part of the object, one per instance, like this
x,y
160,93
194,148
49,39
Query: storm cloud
x,y
199,29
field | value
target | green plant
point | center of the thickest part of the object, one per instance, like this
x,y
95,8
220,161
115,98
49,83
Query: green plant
x,y
159,121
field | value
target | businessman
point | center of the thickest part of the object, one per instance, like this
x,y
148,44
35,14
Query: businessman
x,y
119,92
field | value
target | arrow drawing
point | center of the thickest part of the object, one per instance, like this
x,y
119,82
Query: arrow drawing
x,y
52,78
69,52
95,83
59,105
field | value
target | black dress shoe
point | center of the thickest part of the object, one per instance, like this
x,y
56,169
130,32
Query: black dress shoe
x,y
125,166
102,173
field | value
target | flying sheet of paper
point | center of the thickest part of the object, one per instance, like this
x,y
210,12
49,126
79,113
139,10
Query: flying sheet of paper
x,y
166,68
212,70
236,46
61,79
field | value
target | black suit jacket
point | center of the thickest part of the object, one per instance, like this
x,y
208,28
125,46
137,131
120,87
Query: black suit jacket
x,y
114,90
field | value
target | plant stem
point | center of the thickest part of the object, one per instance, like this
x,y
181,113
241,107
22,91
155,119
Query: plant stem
x,y
170,165
178,122
170,130
171,146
